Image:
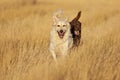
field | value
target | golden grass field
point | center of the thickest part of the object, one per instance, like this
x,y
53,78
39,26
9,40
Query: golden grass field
x,y
24,40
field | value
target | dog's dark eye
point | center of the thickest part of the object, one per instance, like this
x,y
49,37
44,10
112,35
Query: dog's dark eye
x,y
64,25
58,25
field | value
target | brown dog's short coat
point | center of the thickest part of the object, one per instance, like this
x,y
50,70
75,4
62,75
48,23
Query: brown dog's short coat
x,y
76,30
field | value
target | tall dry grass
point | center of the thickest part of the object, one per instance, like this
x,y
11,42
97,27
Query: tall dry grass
x,y
24,41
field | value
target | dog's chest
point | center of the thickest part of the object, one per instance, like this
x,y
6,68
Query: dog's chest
x,y
60,45
61,48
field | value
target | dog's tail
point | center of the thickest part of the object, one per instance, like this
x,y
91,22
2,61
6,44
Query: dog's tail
x,y
77,17
57,14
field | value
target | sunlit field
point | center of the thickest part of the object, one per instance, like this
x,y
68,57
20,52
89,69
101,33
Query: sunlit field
x,y
25,32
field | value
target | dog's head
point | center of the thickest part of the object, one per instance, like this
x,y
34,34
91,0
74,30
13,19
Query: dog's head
x,y
76,26
61,25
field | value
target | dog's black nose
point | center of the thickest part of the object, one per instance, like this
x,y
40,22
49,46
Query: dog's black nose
x,y
61,31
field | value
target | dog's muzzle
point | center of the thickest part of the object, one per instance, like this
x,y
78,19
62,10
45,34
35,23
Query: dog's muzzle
x,y
61,33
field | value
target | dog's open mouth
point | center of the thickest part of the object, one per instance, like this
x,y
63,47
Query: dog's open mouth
x,y
76,32
61,34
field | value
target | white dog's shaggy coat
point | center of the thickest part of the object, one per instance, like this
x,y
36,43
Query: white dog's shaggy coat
x,y
60,36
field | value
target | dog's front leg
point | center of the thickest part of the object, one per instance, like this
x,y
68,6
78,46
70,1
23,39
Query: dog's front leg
x,y
54,55
52,50
64,50
64,54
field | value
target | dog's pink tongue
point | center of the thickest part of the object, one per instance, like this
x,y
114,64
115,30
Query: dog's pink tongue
x,y
61,35
76,32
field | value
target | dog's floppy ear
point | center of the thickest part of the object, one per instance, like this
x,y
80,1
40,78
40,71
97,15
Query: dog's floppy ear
x,y
57,16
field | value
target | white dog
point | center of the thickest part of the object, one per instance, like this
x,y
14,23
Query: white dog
x,y
61,38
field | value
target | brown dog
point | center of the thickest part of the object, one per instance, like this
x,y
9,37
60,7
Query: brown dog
x,y
76,29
